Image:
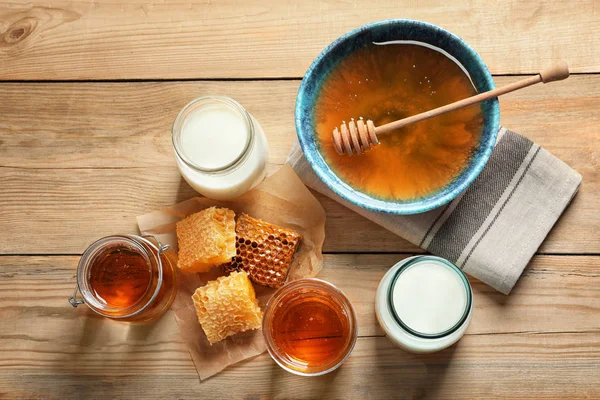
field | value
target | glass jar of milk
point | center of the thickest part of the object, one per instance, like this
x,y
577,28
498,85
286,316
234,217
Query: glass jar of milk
x,y
221,149
424,304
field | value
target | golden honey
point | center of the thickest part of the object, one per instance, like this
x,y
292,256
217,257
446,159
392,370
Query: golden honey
x,y
309,327
312,330
119,277
127,277
388,82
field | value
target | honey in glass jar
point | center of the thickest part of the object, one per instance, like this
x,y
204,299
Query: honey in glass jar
x,y
309,327
129,278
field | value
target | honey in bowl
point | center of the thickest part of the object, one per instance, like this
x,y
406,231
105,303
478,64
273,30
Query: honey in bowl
x,y
309,327
391,81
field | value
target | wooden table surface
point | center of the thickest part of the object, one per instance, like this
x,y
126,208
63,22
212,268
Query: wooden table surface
x,y
88,93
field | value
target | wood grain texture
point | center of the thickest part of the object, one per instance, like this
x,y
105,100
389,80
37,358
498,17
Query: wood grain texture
x,y
87,158
81,160
516,366
104,39
554,294
543,341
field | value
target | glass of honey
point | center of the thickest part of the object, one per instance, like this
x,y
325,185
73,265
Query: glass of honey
x,y
127,278
310,327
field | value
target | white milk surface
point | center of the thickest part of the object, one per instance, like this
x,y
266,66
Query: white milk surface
x,y
429,297
214,136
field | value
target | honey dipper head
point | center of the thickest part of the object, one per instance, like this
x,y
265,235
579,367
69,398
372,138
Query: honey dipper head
x,y
354,138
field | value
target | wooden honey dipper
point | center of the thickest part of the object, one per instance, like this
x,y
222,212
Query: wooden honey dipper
x,y
359,136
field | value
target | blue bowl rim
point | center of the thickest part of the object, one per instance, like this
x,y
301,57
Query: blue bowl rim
x,y
394,207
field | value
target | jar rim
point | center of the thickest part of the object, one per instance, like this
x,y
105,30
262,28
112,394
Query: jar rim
x,y
464,280
176,132
139,243
316,284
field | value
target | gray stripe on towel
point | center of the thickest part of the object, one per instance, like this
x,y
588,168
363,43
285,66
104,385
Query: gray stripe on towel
x,y
481,197
506,200
449,209
495,212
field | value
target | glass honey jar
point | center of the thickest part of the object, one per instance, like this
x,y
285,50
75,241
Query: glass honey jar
x,y
310,327
127,278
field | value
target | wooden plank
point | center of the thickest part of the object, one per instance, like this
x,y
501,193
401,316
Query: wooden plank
x,y
556,293
104,39
90,157
87,125
517,366
542,341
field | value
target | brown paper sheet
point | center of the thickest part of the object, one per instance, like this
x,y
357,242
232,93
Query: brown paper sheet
x,y
281,199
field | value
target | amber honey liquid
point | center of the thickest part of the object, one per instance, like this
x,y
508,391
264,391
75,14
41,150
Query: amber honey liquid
x,y
388,82
313,330
120,277
125,281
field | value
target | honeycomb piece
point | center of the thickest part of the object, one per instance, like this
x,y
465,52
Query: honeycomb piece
x,y
263,250
227,306
206,239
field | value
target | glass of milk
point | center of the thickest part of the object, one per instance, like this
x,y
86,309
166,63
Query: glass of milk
x,y
424,304
221,149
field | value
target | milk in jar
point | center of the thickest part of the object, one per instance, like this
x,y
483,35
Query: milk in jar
x,y
221,150
424,304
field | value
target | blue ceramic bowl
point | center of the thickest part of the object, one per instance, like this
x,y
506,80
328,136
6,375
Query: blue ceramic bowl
x,y
382,31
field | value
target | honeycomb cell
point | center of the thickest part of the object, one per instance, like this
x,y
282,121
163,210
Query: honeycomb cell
x,y
206,239
261,251
227,306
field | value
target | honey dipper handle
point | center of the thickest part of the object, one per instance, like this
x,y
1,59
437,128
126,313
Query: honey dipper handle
x,y
557,72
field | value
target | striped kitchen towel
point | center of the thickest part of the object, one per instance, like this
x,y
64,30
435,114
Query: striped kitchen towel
x,y
493,228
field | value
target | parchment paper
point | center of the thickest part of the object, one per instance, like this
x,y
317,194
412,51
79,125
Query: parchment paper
x,y
281,199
